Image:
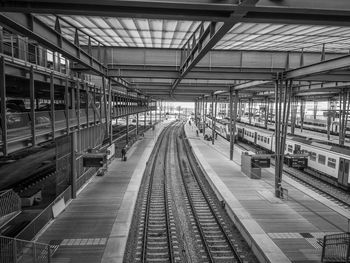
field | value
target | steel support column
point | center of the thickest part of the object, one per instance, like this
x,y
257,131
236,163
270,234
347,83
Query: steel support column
x,y
105,102
78,106
110,111
315,109
66,100
266,112
230,125
155,113
283,91
212,118
127,118
329,122
52,108
150,115
250,111
32,105
293,115
302,114
214,122
145,114
195,113
137,123
205,115
73,167
3,106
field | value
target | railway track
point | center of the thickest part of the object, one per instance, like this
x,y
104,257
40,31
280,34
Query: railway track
x,y
160,234
215,237
158,240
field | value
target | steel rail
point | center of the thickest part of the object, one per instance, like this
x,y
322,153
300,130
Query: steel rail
x,y
149,195
205,195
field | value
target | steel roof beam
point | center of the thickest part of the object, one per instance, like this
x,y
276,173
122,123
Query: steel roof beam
x,y
269,11
203,40
319,68
30,26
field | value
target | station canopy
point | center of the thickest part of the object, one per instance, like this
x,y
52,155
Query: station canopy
x,y
247,53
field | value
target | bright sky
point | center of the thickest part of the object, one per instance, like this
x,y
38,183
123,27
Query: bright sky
x,y
181,104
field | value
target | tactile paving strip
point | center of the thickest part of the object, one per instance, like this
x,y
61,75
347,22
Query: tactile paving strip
x,y
84,242
315,238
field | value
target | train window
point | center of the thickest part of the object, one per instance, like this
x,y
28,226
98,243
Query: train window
x,y
332,162
321,159
290,148
313,156
258,137
265,139
268,140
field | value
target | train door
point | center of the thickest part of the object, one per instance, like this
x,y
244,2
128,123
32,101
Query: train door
x,y
343,175
297,149
255,136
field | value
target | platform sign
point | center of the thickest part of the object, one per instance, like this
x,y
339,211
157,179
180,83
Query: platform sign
x,y
296,161
110,151
261,161
94,160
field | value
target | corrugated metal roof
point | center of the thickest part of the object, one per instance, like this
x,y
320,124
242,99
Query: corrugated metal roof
x,y
157,33
281,37
127,32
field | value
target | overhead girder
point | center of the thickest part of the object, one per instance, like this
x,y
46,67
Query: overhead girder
x,y
324,12
319,68
224,65
204,39
30,26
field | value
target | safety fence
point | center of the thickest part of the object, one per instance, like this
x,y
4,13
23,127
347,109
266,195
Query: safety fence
x,y
14,250
32,229
336,248
10,203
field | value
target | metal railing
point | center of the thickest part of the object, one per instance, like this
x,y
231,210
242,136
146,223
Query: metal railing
x,y
10,202
33,228
21,251
336,248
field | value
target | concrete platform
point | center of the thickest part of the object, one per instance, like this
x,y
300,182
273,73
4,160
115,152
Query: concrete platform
x,y
94,227
277,230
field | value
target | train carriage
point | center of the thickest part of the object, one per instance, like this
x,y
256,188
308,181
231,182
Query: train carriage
x,y
332,163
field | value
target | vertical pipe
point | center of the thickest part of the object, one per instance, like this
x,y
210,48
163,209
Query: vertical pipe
x,y
87,104
235,109
110,111
73,102
127,119
1,40
101,98
230,125
329,119
266,111
195,112
66,99
78,104
276,139
3,105
32,105
52,100
205,114
94,107
105,102
150,114
212,118
73,164
250,110
215,115
137,123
